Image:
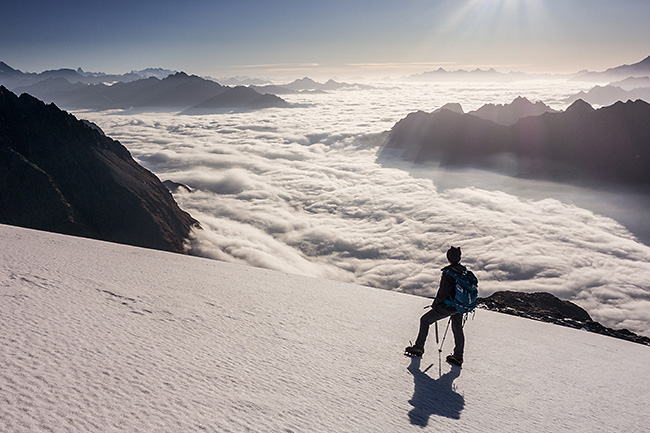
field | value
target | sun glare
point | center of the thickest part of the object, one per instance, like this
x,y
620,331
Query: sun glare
x,y
504,11
488,29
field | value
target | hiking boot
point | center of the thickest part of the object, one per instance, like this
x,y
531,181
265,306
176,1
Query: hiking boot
x,y
414,351
454,361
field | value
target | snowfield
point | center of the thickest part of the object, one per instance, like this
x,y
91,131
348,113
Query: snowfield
x,y
100,337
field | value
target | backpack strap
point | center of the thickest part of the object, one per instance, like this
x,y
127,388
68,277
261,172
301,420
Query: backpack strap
x,y
450,301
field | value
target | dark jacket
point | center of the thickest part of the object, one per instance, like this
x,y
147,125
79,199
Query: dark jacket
x,y
447,288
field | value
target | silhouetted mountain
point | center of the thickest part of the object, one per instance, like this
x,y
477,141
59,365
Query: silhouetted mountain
x,y
477,74
236,98
175,93
335,85
241,81
611,144
274,89
631,83
13,78
454,107
509,114
61,174
548,308
178,90
635,70
8,70
307,85
608,95
639,69
55,89
159,73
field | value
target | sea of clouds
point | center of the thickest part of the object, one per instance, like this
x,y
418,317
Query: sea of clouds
x,y
300,190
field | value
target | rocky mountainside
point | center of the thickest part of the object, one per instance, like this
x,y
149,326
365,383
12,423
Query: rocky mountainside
x,y
548,308
611,144
60,174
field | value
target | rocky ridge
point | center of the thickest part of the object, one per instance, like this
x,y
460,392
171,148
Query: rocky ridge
x,y
61,174
548,308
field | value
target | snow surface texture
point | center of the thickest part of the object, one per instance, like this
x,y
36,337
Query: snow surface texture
x,y
99,337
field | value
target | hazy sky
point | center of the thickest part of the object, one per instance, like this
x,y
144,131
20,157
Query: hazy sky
x,y
334,37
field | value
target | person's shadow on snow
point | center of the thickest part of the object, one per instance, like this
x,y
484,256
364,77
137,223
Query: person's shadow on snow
x,y
434,396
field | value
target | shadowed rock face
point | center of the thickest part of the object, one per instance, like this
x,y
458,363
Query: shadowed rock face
x,y
610,145
59,174
540,305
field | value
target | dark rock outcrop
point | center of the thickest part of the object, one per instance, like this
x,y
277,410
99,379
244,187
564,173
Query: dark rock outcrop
x,y
59,174
548,308
610,145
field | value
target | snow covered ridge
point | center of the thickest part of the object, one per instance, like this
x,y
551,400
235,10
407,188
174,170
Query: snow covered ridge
x,y
101,337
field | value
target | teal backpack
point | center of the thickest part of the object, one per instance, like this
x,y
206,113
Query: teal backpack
x,y
466,296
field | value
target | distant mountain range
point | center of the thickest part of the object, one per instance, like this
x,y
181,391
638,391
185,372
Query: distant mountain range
x,y
633,82
611,144
157,89
61,174
477,74
177,92
307,85
12,78
639,69
608,95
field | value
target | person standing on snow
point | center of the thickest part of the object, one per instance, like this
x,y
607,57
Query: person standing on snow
x,y
440,310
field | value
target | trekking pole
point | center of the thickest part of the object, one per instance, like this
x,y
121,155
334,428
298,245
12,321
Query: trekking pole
x,y
444,336
440,347
437,341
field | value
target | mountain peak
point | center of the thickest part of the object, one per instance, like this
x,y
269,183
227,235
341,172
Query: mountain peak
x,y
580,106
180,74
454,107
6,69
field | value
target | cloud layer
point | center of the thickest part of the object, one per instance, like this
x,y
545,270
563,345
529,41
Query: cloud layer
x,y
298,190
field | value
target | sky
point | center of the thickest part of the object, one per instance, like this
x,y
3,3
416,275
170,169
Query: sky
x,y
273,38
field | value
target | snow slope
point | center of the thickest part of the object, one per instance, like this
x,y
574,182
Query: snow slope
x,y
99,337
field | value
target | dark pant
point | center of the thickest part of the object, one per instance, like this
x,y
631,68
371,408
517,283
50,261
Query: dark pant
x,y
436,313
